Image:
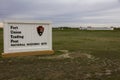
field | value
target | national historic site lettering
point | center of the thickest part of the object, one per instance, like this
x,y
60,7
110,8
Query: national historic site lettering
x,y
16,35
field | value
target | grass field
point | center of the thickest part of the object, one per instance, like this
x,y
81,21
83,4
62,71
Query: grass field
x,y
1,40
99,43
91,55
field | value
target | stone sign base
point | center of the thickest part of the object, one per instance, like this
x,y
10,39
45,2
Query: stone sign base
x,y
27,53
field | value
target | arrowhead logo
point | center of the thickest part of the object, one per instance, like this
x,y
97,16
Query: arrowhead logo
x,y
40,30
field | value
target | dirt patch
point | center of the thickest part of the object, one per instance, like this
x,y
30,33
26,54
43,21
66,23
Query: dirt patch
x,y
81,55
67,54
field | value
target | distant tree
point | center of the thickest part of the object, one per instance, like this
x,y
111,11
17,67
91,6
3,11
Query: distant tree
x,y
116,28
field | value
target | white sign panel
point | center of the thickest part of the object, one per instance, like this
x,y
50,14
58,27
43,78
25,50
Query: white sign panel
x,y
25,36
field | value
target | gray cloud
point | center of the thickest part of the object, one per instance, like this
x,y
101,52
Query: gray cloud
x,y
62,11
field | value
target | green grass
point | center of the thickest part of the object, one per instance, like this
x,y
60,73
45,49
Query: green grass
x,y
1,40
99,43
103,45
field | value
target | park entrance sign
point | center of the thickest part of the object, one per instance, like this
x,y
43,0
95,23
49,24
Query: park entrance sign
x,y
23,38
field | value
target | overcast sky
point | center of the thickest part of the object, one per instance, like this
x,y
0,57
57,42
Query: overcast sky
x,y
62,11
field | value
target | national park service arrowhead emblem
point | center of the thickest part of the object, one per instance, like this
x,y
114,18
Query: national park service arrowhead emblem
x,y
40,30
